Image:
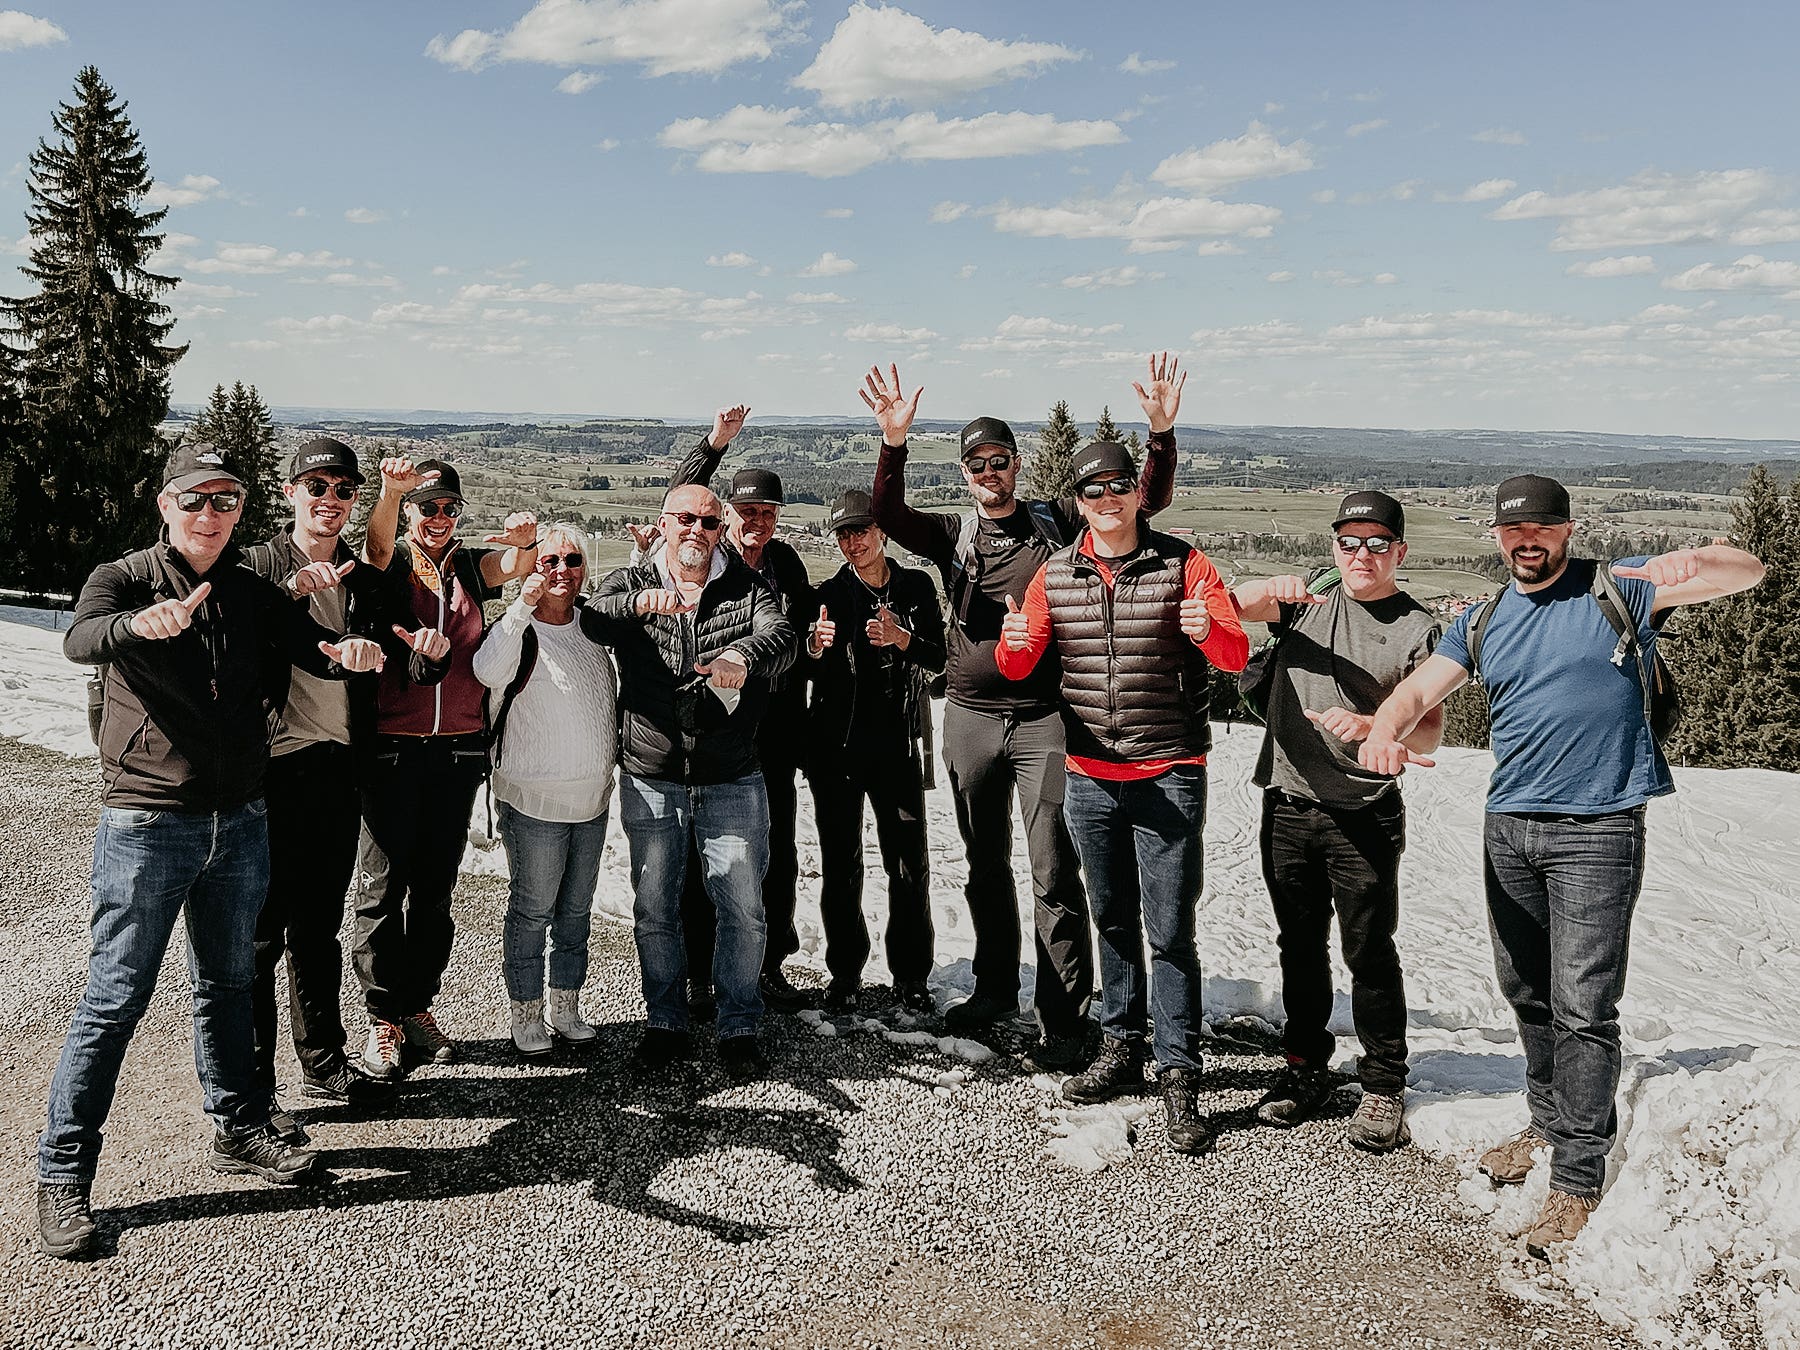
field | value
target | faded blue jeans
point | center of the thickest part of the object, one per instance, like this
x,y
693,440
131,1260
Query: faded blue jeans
x,y
1141,854
555,867
148,867
729,823
1560,894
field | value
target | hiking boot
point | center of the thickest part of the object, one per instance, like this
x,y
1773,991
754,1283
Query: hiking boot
x,y
65,1223
1067,1053
1296,1095
1189,1131
842,998
983,1010
1379,1124
701,1003
915,997
778,994
566,1021
660,1048
286,1127
530,1037
343,1084
1561,1219
743,1058
380,1057
1117,1069
260,1154
427,1038
1509,1163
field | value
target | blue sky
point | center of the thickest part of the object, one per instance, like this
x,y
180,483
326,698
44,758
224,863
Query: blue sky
x,y
1415,215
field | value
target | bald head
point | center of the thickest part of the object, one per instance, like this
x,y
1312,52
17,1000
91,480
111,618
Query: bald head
x,y
692,497
692,523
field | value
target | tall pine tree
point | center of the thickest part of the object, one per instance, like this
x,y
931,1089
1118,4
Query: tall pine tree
x,y
91,346
1108,430
1053,466
239,424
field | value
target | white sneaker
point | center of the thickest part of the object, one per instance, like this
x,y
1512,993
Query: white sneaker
x,y
530,1035
565,1017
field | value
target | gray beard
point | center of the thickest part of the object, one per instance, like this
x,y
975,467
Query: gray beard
x,y
692,555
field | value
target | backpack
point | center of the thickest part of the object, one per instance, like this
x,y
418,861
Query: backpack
x,y
1257,678
1662,700
1043,520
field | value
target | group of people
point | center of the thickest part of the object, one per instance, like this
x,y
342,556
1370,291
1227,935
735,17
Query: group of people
x,y
288,724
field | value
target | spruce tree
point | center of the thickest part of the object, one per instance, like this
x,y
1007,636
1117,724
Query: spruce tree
x,y
1053,466
1106,429
239,424
91,345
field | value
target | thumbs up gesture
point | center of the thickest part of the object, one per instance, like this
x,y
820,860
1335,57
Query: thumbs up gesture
x,y
318,576
355,654
1195,621
822,633
884,630
168,618
1015,628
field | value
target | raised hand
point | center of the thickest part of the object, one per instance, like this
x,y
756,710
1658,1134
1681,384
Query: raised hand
x,y
1666,569
822,633
399,477
884,630
533,590
1162,400
520,531
1390,758
726,670
168,618
1195,621
1015,628
727,422
357,655
427,642
891,410
661,601
1291,590
1349,727
646,537
319,576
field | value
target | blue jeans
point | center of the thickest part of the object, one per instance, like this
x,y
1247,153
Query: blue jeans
x,y
555,868
729,823
1141,854
148,865
1560,894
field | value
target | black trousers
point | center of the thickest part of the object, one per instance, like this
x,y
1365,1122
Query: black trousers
x,y
988,756
417,793
1318,860
314,819
895,791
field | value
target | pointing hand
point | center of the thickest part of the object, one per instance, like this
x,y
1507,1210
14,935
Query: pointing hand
x,y
319,576
167,618
427,642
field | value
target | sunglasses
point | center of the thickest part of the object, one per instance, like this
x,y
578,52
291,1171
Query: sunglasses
x,y
318,487
224,502
1376,544
980,464
451,510
574,562
1119,487
687,520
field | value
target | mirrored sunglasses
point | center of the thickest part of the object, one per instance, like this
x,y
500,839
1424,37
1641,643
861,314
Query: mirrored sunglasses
x,y
224,502
451,510
1376,544
1119,487
318,487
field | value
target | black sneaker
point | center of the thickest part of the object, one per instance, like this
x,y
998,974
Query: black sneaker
x,y
1189,1131
778,994
743,1058
260,1154
915,997
983,1010
701,1003
1069,1053
1116,1070
842,998
65,1224
1296,1095
342,1084
662,1047
286,1126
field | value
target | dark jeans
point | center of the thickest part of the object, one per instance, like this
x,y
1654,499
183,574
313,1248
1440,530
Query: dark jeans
x,y
1560,893
314,819
986,756
1140,848
896,795
1316,859
417,793
150,868
699,924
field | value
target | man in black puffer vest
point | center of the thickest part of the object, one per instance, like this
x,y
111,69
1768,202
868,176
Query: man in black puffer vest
x,y
697,636
1138,620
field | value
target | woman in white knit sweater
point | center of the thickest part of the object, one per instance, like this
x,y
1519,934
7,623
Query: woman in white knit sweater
x,y
556,735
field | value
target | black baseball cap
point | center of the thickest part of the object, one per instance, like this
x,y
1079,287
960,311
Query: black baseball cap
x,y
1103,459
851,511
195,462
1529,498
324,455
987,431
750,487
1376,508
447,484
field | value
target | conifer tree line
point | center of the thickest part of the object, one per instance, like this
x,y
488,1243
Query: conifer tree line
x,y
1053,462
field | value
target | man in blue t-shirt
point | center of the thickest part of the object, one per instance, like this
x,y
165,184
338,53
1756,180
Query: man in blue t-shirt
x,y
1563,846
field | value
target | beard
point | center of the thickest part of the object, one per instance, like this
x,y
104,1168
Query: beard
x,y
1533,571
690,554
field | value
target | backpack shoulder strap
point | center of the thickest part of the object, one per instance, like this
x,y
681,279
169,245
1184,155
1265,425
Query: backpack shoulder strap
x,y
1044,521
1478,622
528,653
965,539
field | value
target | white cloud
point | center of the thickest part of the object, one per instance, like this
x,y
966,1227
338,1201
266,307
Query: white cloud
x,y
1487,190
966,271
1280,277
1499,136
945,212
732,259
818,298
881,56
246,259
665,37
19,30
838,212
1385,279
1019,333
20,247
886,332
607,144
1226,163
1270,109
828,265
256,345
1110,277
1752,272
1364,128
1634,265
721,334
356,279
1325,196
190,191
300,213
1153,225
364,215
578,82
1728,205
208,291
1137,65
1217,248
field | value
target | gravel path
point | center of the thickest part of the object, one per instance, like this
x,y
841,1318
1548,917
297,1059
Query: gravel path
x,y
870,1193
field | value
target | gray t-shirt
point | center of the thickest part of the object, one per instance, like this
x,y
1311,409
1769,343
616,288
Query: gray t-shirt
x,y
1343,653
317,710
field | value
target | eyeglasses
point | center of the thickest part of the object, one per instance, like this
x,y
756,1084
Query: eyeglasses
x,y
687,520
1376,544
318,487
1119,487
451,510
574,562
978,464
224,502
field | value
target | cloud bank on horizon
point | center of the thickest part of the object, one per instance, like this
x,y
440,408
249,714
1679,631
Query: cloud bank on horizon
x,y
628,206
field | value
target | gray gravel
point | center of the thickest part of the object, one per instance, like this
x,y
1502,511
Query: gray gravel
x,y
850,1200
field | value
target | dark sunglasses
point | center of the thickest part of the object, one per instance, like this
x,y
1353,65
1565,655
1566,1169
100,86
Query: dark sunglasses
x,y
574,562
451,510
979,464
318,487
687,519
224,502
1376,544
1119,487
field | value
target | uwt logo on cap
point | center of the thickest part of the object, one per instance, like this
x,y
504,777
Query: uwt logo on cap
x,y
1089,467
1358,510
209,458
1511,502
319,458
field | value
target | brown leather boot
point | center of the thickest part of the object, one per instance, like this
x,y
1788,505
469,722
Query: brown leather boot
x,y
1562,1217
1509,1163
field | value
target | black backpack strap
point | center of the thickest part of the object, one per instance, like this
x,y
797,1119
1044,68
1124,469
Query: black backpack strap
x,y
1044,521
528,653
1478,622
1605,590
